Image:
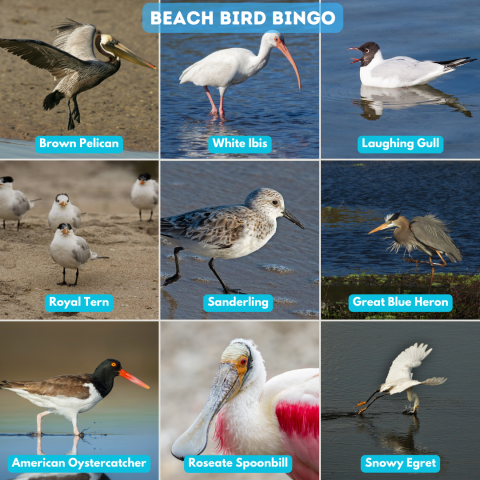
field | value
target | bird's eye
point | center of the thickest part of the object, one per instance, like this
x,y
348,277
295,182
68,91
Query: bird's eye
x,y
113,364
243,361
276,39
366,50
275,202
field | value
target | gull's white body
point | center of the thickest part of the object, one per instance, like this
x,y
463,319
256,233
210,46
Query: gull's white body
x,y
70,251
13,203
144,196
65,213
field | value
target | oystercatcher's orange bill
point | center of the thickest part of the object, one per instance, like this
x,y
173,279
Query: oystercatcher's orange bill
x,y
133,379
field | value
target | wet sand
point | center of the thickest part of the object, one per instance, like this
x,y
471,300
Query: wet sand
x,y
125,104
111,227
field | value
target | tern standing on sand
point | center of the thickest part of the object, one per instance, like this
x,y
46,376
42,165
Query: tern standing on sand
x,y
144,194
64,212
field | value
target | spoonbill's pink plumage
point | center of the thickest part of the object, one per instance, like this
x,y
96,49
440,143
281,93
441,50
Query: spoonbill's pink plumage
x,y
278,417
233,66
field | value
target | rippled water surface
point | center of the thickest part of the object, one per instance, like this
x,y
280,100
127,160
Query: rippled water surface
x,y
428,30
357,197
356,357
269,103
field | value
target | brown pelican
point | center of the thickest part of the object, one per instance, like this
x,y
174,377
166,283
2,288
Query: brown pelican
x,y
71,60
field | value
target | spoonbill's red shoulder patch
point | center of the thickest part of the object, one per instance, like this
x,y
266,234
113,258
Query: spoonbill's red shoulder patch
x,y
298,418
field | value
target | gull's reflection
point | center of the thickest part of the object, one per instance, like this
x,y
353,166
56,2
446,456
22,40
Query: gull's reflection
x,y
375,100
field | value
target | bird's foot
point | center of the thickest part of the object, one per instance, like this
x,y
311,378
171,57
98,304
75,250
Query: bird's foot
x,y
213,112
360,404
222,112
232,290
171,279
62,283
362,410
72,284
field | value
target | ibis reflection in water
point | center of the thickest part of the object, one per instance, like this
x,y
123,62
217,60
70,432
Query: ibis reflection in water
x,y
71,60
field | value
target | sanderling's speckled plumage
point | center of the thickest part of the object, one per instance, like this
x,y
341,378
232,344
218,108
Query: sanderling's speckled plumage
x,y
229,231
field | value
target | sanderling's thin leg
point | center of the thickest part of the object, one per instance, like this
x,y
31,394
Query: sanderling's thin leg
x,y
225,288
177,275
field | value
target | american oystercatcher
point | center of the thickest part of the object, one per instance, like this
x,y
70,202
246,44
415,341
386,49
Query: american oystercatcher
x,y
69,395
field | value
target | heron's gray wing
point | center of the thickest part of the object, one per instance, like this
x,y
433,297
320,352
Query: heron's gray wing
x,y
76,39
81,252
21,205
77,219
155,194
45,56
433,232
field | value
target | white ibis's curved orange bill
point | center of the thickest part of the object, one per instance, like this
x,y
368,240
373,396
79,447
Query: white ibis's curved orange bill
x,y
281,46
383,226
133,379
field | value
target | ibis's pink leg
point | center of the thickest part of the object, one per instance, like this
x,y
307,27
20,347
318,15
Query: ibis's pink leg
x,y
214,110
222,111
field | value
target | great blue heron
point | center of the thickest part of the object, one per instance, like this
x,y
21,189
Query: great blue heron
x,y
71,60
427,234
400,376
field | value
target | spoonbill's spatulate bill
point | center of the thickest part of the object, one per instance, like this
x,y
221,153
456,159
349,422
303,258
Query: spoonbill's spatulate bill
x,y
400,376
71,60
69,395
233,66
399,72
278,417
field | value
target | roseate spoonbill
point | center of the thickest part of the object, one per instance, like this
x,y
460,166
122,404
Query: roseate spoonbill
x,y
400,376
233,66
278,417
427,234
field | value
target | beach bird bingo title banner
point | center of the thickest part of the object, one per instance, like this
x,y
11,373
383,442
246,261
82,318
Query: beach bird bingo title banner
x,y
242,17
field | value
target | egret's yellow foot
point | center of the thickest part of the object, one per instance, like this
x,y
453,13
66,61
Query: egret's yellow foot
x,y
360,404
362,410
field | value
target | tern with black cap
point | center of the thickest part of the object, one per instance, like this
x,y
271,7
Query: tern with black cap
x,y
64,212
144,195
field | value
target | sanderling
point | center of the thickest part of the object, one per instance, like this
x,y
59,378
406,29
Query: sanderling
x,y
144,195
64,212
229,231
13,203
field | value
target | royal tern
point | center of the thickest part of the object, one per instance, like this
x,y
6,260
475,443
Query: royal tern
x,y
64,212
144,194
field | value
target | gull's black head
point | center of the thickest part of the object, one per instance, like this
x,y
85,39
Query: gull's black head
x,y
369,50
6,180
144,177
59,200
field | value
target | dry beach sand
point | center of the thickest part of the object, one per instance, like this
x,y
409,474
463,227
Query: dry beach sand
x,y
125,104
111,227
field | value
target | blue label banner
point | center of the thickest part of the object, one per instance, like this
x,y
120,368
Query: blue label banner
x,y
79,303
242,17
222,144
238,463
400,303
75,144
79,464
421,145
238,303
400,464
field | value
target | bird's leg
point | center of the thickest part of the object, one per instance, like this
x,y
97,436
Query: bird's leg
x,y
380,396
151,215
443,264
222,111
71,123
140,213
214,110
39,422
177,275
76,111
18,225
76,280
76,431
64,282
225,288
363,403
39,445
431,276
4,224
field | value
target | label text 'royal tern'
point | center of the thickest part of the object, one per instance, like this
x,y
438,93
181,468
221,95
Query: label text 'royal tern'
x,y
79,303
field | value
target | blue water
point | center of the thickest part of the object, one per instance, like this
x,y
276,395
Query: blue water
x,y
427,30
361,196
269,103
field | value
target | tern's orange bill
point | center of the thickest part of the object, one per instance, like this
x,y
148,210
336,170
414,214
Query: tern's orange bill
x,y
133,379
281,46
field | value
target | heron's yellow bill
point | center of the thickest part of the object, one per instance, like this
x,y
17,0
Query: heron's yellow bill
x,y
381,227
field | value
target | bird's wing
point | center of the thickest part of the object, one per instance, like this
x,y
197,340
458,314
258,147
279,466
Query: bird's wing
x,y
41,55
155,193
406,69
409,359
65,385
20,205
297,410
76,39
77,220
81,252
218,226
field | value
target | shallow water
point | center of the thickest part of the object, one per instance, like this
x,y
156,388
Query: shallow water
x,y
269,103
356,357
448,106
359,197
187,186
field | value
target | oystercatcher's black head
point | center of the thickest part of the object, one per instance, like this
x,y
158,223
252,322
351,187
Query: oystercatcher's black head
x,y
106,372
144,177
4,180
369,50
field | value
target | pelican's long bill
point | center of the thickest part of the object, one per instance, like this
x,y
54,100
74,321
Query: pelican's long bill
x,y
133,379
122,51
281,46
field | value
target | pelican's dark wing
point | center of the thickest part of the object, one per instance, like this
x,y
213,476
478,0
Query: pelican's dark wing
x,y
42,55
76,39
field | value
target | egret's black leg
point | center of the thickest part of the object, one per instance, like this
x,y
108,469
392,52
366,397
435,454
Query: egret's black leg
x,y
177,275
225,288
71,123
64,282
76,280
76,111
363,409
363,403
151,215
140,213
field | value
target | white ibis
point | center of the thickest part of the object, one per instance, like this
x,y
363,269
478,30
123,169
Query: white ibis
x,y
278,417
233,66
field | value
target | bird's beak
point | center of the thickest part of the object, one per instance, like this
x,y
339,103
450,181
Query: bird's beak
x,y
65,231
142,182
383,226
133,379
281,46
123,52
226,385
290,217
354,59
63,204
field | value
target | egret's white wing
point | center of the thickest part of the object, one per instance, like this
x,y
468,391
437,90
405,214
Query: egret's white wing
x,y
409,359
